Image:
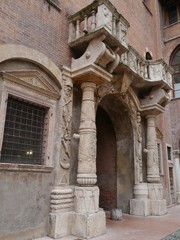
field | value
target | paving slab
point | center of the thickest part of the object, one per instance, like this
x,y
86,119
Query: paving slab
x,y
139,228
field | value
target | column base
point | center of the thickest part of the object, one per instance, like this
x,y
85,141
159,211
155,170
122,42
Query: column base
x,y
60,224
88,225
81,225
140,207
158,207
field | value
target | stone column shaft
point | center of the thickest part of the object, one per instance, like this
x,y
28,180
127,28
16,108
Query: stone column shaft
x,y
87,145
152,154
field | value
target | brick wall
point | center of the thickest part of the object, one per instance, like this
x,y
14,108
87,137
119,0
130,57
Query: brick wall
x,y
34,24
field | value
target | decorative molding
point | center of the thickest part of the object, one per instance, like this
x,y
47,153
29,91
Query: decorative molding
x,y
31,80
62,200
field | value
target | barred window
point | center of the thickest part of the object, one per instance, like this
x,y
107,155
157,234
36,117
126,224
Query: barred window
x,y
24,132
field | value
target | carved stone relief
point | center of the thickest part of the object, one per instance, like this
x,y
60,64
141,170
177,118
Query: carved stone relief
x,y
66,132
86,199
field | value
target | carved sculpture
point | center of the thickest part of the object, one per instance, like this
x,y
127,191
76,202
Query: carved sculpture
x,y
66,130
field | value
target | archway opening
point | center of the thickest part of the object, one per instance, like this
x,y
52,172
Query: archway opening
x,y
115,154
106,161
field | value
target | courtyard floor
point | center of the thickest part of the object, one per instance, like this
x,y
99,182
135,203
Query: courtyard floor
x,y
139,228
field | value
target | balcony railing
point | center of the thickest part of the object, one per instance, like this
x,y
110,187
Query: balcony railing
x,y
153,71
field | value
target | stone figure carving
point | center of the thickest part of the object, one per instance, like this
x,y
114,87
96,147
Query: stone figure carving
x,y
66,131
123,33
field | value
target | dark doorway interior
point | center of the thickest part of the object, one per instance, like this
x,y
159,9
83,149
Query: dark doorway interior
x,y
106,161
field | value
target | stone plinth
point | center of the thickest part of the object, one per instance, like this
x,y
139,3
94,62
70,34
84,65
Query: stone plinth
x,y
88,220
86,199
157,203
158,207
60,224
61,212
140,206
88,225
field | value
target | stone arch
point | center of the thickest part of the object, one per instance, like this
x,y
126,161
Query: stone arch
x,y
13,51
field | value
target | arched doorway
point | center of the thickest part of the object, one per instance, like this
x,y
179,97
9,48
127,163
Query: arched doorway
x,y
115,147
106,161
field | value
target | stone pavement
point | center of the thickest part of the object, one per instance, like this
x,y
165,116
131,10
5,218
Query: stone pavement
x,y
139,228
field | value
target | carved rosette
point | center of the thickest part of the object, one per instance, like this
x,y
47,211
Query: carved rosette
x,y
87,144
152,154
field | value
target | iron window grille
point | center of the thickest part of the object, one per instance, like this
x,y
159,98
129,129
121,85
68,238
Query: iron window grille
x,y
24,133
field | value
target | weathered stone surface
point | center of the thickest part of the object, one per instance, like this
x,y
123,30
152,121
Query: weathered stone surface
x,y
88,225
158,207
59,224
140,207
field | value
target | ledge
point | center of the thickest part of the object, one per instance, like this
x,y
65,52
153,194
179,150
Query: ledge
x,y
25,168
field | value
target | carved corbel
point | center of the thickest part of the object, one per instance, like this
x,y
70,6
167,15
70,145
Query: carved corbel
x,y
97,53
156,96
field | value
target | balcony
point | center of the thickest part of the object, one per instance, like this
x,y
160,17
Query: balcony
x,y
147,72
98,38
98,18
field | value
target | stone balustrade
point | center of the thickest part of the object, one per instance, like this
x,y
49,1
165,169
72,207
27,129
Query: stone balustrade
x,y
100,15
153,71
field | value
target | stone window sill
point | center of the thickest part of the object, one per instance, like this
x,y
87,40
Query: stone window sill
x,y
25,168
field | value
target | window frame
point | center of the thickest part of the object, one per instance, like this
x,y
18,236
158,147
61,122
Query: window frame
x,y
167,153
166,13
173,65
22,92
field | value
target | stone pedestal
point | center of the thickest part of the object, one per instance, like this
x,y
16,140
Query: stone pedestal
x,y
140,205
158,207
88,221
61,212
157,203
88,225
